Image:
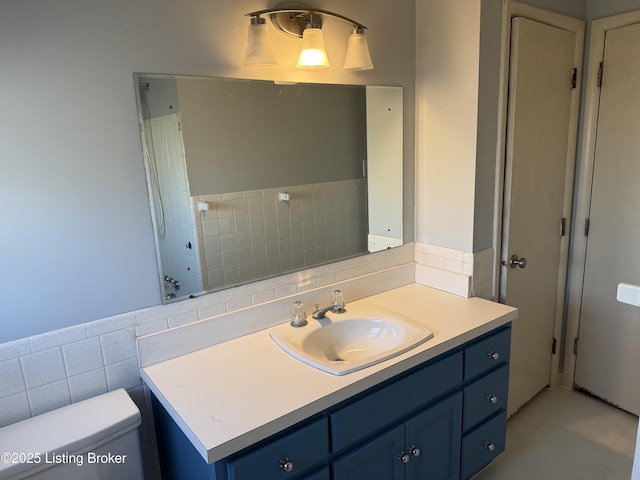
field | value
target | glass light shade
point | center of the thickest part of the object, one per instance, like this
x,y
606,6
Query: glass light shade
x,y
259,49
312,51
358,57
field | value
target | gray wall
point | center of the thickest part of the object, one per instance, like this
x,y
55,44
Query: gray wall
x,y
572,8
605,8
241,135
76,242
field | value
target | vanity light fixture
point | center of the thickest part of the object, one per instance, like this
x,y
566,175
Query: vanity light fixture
x,y
298,20
259,49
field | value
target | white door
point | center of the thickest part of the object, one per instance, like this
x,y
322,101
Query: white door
x,y
609,334
539,110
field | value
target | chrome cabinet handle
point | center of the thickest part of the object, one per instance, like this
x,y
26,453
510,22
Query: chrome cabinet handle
x,y
286,465
489,446
492,399
494,355
415,451
403,457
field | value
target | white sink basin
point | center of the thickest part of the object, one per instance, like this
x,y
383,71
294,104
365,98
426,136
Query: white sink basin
x,y
343,343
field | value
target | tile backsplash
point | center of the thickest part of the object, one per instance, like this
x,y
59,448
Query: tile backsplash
x,y
57,368
462,273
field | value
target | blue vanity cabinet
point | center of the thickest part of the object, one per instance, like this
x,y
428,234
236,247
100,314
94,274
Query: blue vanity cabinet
x,y
442,420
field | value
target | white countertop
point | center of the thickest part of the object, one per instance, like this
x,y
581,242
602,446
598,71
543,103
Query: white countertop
x,y
233,394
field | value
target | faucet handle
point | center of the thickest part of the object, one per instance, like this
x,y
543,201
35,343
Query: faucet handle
x,y
337,300
298,315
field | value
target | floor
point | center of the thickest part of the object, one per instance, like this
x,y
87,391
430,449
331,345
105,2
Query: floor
x,y
566,435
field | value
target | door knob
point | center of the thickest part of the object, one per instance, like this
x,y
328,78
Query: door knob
x,y
514,262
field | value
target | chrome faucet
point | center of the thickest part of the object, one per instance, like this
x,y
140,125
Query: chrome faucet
x,y
337,306
320,313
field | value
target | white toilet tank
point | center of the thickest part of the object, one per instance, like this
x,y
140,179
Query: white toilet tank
x,y
94,439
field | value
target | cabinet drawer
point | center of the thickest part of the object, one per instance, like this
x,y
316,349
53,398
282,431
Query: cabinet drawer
x,y
483,444
485,397
321,475
305,448
487,354
391,403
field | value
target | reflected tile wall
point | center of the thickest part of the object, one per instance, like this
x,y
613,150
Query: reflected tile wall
x,y
254,234
171,211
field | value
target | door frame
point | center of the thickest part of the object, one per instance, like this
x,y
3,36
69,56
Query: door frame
x,y
586,161
512,9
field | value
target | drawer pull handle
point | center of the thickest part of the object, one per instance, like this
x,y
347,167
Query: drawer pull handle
x,y
494,355
489,446
415,451
403,457
492,399
286,465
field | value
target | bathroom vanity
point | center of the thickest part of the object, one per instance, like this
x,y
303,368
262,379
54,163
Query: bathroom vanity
x,y
244,409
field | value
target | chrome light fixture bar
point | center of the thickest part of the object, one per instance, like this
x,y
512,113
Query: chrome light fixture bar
x,y
298,20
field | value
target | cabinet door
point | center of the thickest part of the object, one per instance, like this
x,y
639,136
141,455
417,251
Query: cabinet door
x,y
433,441
321,475
375,460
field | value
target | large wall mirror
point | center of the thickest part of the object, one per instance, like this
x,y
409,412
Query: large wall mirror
x,y
250,179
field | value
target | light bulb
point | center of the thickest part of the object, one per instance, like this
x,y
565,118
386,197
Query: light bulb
x,y
312,51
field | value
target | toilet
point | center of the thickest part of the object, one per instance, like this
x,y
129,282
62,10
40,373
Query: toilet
x,y
93,439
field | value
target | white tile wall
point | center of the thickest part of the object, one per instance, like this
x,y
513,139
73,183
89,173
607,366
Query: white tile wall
x,y
482,270
47,371
84,356
462,273
43,367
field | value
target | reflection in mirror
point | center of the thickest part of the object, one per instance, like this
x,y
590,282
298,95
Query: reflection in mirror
x,y
250,179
